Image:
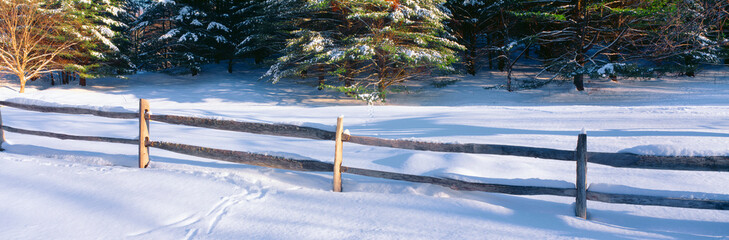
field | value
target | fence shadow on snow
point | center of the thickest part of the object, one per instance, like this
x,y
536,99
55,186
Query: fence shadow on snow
x,y
581,192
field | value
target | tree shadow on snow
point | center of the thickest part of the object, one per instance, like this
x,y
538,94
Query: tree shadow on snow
x,y
527,212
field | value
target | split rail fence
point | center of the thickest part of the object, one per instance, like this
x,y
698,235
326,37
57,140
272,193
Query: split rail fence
x,y
580,156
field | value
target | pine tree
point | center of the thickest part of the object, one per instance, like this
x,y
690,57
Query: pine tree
x,y
472,23
191,34
135,31
265,25
223,19
369,44
158,48
98,28
187,34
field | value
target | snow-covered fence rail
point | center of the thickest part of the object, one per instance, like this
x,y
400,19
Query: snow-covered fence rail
x,y
713,163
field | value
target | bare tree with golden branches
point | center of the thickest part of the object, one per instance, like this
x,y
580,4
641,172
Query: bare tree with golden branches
x,y
30,39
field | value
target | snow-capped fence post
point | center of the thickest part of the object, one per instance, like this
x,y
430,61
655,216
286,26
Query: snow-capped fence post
x,y
338,147
143,133
581,157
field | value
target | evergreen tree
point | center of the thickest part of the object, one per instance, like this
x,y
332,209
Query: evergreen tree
x,y
369,44
170,33
265,25
500,28
472,23
135,32
155,44
187,34
190,36
98,28
222,29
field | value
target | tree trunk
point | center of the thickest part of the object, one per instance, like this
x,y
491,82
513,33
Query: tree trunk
x,y
471,53
687,60
258,56
579,82
53,81
321,83
64,78
508,81
22,83
82,81
491,54
230,65
501,64
321,78
580,42
471,62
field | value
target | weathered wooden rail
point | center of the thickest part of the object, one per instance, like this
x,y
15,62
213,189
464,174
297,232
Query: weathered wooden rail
x,y
580,156
625,160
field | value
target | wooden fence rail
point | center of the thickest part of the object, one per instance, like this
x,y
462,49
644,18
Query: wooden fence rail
x,y
715,163
625,160
70,110
283,130
270,161
70,137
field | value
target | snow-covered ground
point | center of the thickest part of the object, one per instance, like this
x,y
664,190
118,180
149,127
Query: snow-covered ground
x,y
56,189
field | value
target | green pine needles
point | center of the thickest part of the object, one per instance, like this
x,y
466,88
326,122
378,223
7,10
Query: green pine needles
x,y
368,44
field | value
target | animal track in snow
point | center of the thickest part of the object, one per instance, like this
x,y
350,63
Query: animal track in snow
x,y
208,220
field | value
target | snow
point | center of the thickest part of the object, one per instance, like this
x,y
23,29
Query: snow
x,y
188,37
335,54
101,36
317,43
610,188
62,189
215,25
664,150
170,34
607,68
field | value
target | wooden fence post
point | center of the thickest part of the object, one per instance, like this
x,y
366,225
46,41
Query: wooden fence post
x,y
143,133
338,145
2,133
581,157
